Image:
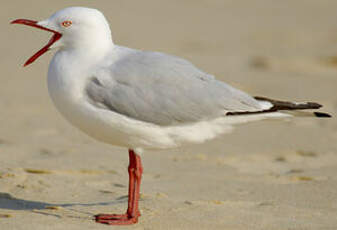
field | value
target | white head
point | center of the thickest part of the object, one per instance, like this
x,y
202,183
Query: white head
x,y
73,28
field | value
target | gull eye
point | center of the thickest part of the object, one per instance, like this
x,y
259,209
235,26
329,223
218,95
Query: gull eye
x,y
66,23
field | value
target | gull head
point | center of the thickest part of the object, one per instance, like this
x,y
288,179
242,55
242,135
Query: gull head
x,y
73,28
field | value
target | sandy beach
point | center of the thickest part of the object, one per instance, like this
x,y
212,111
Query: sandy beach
x,y
271,175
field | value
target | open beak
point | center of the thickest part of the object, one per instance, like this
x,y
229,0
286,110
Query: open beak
x,y
53,39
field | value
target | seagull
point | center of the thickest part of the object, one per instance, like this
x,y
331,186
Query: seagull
x,y
140,99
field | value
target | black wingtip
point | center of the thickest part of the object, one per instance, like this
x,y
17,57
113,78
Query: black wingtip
x,y
313,105
322,115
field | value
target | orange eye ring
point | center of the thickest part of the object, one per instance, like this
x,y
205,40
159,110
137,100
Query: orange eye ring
x,y
66,23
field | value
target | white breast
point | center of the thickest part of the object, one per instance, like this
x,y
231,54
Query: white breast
x,y
66,86
67,77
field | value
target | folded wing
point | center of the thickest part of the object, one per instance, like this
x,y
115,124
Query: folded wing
x,y
164,90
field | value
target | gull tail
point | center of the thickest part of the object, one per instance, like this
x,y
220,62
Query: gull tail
x,y
292,108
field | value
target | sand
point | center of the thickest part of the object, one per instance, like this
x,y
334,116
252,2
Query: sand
x,y
265,176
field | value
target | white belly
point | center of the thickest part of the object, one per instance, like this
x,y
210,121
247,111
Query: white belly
x,y
67,91
69,96
66,85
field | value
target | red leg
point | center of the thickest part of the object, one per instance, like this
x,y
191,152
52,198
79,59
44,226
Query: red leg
x,y
131,216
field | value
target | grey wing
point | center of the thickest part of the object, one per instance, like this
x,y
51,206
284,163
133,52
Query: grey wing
x,y
164,90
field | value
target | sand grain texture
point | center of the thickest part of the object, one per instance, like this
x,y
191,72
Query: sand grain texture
x,y
266,176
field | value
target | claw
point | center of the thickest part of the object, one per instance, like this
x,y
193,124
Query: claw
x,y
110,216
128,221
132,213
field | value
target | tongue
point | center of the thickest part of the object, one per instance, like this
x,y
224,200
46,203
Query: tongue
x,y
53,39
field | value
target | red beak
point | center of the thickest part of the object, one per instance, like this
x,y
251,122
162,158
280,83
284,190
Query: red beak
x,y
53,39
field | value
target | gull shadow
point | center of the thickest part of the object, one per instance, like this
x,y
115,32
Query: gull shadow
x,y
7,201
